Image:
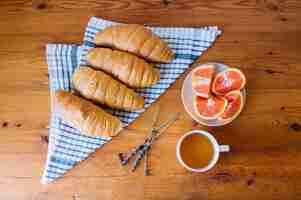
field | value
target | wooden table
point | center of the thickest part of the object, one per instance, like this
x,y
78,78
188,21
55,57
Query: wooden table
x,y
259,36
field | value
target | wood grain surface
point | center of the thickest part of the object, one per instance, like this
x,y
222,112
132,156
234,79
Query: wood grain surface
x,y
259,36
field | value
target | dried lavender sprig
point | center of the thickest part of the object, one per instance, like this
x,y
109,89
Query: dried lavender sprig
x,y
140,155
141,152
125,158
146,168
156,132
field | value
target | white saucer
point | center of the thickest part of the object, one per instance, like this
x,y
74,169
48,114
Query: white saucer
x,y
188,96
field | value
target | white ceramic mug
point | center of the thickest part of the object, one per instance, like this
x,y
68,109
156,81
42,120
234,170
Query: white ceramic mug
x,y
216,149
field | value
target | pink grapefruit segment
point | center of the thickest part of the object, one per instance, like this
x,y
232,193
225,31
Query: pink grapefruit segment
x,y
201,80
228,80
210,108
234,107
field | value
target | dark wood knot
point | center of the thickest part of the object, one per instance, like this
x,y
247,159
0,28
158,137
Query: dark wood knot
x,y
4,124
166,2
44,139
42,6
18,125
283,19
270,71
250,181
295,127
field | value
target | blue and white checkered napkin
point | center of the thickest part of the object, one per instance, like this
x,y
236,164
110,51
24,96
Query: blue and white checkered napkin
x,y
67,146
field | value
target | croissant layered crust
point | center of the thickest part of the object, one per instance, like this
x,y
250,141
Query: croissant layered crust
x,y
90,119
136,39
102,88
128,68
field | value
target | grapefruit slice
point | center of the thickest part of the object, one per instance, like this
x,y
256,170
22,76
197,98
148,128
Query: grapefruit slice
x,y
201,80
210,108
234,107
228,80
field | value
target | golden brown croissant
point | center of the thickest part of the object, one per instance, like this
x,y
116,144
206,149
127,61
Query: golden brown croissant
x,y
136,39
88,118
128,68
102,88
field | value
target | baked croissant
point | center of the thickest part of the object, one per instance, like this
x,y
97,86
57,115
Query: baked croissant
x,y
136,39
88,118
102,88
128,68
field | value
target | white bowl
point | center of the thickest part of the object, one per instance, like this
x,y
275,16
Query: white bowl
x,y
188,96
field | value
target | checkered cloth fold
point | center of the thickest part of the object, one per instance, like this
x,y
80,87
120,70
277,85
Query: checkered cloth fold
x,y
67,146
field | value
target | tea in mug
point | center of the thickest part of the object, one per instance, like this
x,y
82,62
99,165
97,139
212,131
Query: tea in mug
x,y
196,151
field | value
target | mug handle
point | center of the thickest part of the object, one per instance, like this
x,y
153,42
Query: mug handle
x,y
224,148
